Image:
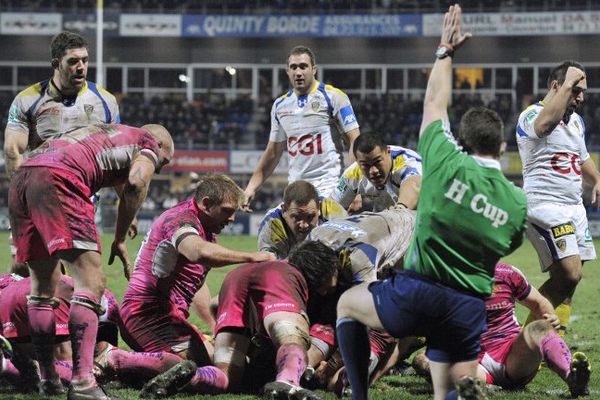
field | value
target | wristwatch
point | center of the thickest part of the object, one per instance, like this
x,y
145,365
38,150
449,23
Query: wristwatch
x,y
444,51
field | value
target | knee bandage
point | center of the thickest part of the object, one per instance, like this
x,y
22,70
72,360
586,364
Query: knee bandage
x,y
229,355
87,303
284,330
43,300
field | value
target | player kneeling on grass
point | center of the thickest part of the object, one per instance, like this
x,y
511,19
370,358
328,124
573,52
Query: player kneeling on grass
x,y
110,361
510,356
171,268
262,317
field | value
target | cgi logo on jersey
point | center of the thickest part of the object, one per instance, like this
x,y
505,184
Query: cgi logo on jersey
x,y
348,115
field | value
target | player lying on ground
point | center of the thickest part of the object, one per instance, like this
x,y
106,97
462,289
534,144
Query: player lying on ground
x,y
510,356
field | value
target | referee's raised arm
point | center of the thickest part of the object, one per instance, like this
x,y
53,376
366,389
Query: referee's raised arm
x,y
439,86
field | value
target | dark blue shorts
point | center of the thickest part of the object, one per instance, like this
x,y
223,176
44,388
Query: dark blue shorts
x,y
452,321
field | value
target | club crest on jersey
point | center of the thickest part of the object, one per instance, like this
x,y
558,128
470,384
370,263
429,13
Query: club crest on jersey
x,y
529,116
561,244
315,105
563,230
88,108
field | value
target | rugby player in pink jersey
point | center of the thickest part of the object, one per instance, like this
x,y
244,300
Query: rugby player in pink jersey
x,y
110,361
171,267
510,356
262,316
53,222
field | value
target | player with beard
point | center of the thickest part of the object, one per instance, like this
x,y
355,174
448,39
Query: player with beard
x,y
551,140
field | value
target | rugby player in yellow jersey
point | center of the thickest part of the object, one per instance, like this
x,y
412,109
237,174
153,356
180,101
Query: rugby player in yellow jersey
x,y
378,175
289,223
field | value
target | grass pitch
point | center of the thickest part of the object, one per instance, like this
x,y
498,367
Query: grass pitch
x,y
583,335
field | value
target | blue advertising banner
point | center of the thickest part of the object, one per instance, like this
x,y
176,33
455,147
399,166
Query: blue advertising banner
x,y
359,25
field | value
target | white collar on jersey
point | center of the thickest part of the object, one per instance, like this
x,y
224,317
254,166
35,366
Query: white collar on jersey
x,y
487,162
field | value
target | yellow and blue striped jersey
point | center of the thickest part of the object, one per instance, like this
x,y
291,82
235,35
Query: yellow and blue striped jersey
x,y
42,112
275,236
405,163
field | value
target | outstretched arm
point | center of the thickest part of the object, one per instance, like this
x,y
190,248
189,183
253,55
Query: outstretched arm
x,y
266,164
132,196
439,86
195,249
540,307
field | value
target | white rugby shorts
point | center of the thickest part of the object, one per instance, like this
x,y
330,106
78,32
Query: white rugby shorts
x,y
558,231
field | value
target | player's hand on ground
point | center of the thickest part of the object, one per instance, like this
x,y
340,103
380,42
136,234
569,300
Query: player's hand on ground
x,y
573,76
553,319
133,229
249,196
263,256
119,249
451,29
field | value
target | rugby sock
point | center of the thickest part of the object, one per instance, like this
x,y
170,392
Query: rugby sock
x,y
563,312
83,327
353,340
65,370
147,364
209,380
556,353
291,361
41,320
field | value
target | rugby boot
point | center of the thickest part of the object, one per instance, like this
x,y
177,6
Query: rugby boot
x,y
470,388
342,386
49,388
308,379
102,371
280,390
92,393
169,382
579,377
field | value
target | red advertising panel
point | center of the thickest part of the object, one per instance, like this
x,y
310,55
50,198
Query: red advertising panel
x,y
199,161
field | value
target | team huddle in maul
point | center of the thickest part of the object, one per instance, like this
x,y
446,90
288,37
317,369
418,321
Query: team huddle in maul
x,y
355,271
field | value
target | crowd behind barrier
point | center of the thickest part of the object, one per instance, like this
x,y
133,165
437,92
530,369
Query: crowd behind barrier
x,y
216,124
297,6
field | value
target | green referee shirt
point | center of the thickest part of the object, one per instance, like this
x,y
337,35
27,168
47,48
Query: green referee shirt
x,y
469,215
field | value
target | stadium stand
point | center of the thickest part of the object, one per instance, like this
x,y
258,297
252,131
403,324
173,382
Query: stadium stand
x,y
299,6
